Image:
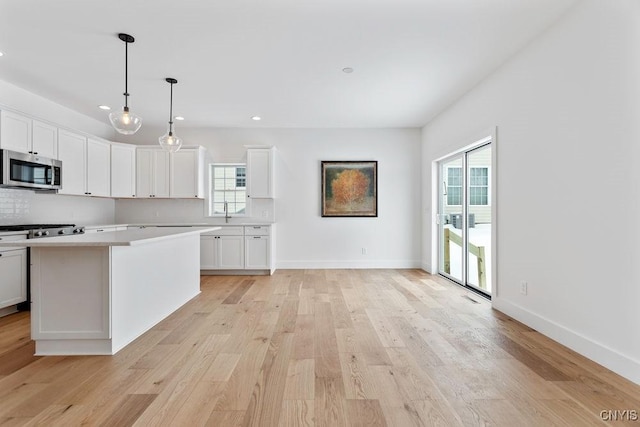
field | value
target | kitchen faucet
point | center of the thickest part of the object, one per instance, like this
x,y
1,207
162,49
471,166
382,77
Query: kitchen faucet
x,y
226,212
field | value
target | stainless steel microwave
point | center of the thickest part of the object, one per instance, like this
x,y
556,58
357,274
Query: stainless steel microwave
x,y
30,171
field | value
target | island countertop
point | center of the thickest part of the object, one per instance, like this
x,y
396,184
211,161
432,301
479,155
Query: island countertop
x,y
114,238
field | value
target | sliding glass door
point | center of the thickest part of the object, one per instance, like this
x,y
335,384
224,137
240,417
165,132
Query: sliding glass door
x,y
464,218
450,212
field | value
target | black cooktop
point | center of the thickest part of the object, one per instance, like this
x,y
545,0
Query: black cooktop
x,y
26,227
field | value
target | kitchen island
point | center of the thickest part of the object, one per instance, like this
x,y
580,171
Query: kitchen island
x,y
95,293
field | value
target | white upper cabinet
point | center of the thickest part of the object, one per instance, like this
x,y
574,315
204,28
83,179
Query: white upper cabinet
x,y
21,133
72,151
15,132
44,139
152,172
163,174
260,173
187,173
123,170
98,168
86,165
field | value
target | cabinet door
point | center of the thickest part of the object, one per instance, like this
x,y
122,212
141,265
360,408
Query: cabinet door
x,y
260,173
123,170
72,151
257,253
144,172
184,174
15,132
44,140
208,252
231,252
98,168
161,173
13,271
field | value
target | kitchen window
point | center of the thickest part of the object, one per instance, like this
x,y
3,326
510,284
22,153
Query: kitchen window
x,y
228,183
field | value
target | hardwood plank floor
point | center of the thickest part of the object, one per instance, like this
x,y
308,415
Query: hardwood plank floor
x,y
317,348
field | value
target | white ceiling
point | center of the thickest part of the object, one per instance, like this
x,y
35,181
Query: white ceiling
x,y
279,59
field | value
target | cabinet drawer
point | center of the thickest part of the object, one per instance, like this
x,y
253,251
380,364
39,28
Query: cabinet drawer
x,y
225,231
256,230
8,238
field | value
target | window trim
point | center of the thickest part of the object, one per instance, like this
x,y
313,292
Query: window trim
x,y
210,191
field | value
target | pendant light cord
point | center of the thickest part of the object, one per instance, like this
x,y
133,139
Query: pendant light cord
x,y
126,75
171,111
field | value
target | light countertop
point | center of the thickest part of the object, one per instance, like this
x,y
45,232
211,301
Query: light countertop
x,y
174,224
114,238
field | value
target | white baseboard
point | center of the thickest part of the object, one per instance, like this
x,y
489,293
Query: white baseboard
x,y
298,265
599,353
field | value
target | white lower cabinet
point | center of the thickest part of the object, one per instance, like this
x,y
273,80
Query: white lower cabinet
x,y
222,249
256,252
13,273
257,247
236,248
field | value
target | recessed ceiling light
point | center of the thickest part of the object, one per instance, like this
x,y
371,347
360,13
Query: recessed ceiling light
x,y
1,53
179,118
256,118
104,107
347,70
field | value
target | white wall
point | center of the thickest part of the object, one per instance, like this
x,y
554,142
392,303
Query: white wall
x,y
567,111
21,206
304,238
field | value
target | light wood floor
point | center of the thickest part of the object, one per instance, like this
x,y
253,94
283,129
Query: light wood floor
x,y
316,347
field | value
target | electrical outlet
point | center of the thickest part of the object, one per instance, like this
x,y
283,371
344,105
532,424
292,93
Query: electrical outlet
x,y
364,251
523,287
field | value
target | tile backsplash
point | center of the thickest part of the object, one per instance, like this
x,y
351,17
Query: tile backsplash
x,y
28,207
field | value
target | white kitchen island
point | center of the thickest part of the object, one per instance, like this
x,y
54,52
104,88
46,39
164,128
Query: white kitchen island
x,y
96,293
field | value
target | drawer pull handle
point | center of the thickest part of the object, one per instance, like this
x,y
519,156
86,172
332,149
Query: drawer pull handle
x,y
256,237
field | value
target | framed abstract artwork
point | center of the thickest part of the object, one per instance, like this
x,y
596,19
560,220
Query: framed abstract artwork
x,y
349,188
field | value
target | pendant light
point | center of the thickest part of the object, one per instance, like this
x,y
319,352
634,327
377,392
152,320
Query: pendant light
x,y
125,121
169,141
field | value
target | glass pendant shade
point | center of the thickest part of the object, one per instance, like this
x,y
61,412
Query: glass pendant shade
x,y
170,142
125,122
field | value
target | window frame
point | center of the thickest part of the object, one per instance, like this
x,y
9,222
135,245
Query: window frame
x,y
212,190
487,186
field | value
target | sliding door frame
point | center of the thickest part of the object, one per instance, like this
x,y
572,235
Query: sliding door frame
x,y
483,138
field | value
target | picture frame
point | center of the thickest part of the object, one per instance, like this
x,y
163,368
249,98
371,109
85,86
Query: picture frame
x,y
349,188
